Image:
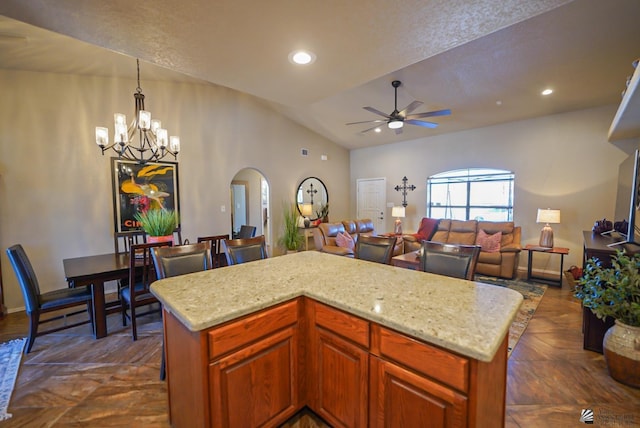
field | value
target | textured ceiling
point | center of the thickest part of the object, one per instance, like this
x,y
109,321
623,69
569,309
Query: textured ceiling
x,y
459,54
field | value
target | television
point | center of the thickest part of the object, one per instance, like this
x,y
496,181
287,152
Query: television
x,y
628,199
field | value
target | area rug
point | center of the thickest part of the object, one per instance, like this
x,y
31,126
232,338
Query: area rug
x,y
532,294
10,356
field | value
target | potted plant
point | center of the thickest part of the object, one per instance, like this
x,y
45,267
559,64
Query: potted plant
x,y
291,238
615,292
323,213
159,224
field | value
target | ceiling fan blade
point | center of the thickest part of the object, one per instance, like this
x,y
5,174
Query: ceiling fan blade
x,y
421,123
378,112
371,129
444,112
411,107
366,121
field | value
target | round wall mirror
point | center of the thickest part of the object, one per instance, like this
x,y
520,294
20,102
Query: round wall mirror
x,y
311,197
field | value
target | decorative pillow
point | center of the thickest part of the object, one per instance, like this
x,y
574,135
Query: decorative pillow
x,y
344,240
489,243
427,228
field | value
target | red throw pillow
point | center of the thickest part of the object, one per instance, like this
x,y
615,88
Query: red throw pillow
x,y
489,243
344,240
427,228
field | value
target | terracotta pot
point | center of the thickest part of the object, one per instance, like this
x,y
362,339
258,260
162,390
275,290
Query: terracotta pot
x,y
155,239
621,345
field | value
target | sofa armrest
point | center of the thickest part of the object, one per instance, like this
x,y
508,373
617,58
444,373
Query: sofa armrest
x,y
410,238
511,248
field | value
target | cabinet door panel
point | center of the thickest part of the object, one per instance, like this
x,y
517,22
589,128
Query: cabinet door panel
x,y
342,381
401,398
256,385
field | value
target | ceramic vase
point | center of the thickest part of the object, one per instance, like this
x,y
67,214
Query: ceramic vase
x,y
621,346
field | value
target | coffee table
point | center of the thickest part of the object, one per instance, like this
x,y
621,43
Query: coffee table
x,y
409,260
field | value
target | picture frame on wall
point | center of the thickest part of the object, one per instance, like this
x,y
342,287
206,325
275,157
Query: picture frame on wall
x,y
140,187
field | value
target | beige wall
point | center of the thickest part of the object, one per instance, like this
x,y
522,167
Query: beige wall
x,y
55,187
561,161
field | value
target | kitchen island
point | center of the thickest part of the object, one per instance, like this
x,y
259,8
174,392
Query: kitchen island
x,y
359,343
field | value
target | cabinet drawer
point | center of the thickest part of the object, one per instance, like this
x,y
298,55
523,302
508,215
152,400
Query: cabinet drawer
x,y
342,324
251,328
429,360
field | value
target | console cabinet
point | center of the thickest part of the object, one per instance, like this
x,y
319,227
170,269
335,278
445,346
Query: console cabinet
x,y
598,246
261,369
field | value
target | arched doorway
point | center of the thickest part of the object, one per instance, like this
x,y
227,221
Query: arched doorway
x,y
249,191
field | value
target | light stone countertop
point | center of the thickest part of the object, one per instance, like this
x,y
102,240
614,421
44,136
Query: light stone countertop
x,y
469,318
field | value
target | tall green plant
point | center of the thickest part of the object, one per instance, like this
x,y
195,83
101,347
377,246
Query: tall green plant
x,y
291,239
612,292
158,222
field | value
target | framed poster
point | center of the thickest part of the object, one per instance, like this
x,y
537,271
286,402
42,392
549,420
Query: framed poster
x,y
140,187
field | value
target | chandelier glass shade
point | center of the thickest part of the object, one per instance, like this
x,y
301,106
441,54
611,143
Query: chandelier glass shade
x,y
153,142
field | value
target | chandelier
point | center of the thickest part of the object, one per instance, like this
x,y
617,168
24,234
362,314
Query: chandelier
x,y
153,144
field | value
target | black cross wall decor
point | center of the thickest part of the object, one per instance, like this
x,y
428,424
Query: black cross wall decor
x,y
404,189
312,192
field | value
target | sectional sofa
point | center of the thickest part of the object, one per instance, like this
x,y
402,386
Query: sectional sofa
x,y
499,259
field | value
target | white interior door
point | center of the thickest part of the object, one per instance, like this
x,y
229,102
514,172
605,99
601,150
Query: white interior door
x,y
239,197
371,201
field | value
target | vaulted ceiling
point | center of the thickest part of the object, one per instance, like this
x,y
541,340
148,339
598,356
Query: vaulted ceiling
x,y
486,60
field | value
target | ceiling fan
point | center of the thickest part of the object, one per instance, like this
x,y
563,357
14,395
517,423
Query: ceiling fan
x,y
397,119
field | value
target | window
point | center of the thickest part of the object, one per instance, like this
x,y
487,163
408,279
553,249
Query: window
x,y
471,194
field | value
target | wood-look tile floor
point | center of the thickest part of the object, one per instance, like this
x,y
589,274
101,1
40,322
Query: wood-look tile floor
x,y
71,380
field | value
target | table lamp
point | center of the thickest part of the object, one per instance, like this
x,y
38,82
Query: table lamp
x,y
546,234
397,212
306,211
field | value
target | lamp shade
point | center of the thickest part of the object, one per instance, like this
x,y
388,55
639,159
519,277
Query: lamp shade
x,y
548,216
397,212
306,210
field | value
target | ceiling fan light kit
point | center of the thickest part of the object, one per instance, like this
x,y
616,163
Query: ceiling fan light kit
x,y
395,124
397,119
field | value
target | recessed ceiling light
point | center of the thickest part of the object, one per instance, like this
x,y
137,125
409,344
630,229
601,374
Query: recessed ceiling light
x,y
547,91
302,57
378,130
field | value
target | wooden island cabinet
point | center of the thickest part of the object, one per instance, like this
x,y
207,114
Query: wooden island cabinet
x,y
349,371
249,346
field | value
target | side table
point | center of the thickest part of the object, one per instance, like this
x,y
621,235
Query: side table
x,y
307,233
409,260
399,247
555,250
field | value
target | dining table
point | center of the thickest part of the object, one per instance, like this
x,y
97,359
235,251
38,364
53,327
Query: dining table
x,y
94,271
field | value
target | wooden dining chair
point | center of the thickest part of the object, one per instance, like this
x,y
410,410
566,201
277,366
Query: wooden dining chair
x,y
136,293
458,261
217,253
180,260
377,249
37,303
121,240
244,250
246,231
